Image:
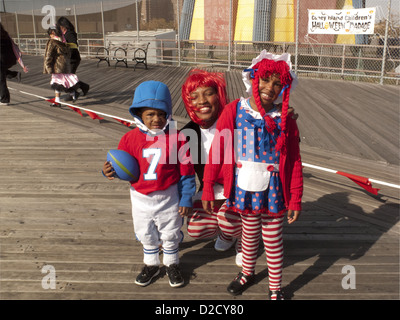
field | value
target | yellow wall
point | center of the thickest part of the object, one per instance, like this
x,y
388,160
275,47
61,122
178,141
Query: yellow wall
x,y
244,21
283,24
197,28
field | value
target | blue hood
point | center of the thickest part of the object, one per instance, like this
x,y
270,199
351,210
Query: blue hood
x,y
152,94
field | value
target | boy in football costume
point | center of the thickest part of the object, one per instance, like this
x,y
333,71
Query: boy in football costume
x,y
162,195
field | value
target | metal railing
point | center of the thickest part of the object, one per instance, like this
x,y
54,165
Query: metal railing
x,y
377,59
329,61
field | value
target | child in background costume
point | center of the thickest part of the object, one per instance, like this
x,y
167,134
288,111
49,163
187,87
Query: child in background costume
x,y
57,63
163,194
263,177
204,96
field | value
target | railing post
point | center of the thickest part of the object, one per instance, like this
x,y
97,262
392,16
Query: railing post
x,y
385,44
102,23
297,37
343,55
235,53
76,20
230,34
34,32
178,36
162,51
195,51
137,22
16,23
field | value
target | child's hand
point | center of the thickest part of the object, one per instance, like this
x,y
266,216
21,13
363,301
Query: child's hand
x,y
292,113
208,206
293,216
108,170
184,211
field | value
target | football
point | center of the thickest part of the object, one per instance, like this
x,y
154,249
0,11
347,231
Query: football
x,y
125,166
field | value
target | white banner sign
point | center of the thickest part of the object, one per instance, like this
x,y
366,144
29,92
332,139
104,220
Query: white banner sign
x,y
345,21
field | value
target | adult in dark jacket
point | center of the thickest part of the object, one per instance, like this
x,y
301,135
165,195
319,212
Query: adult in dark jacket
x,y
67,30
7,60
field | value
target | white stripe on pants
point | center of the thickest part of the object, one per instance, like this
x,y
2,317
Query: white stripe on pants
x,y
156,221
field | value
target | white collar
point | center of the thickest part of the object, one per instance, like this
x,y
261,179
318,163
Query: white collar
x,y
139,123
245,103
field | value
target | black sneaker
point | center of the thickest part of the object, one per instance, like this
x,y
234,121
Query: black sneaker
x,y
175,276
147,275
235,287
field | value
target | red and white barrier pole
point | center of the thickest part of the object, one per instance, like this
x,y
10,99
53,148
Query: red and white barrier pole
x,y
363,182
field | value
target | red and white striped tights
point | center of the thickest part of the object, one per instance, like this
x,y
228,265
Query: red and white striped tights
x,y
271,230
223,222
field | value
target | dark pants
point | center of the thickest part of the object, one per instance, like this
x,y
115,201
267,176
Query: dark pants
x,y
12,74
75,61
4,93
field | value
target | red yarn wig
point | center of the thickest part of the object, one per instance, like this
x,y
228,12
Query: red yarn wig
x,y
201,78
264,69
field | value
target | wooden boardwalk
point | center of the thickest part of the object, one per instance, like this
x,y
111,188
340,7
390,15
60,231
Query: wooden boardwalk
x,y
57,210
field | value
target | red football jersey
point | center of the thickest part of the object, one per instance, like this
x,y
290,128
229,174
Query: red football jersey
x,y
162,160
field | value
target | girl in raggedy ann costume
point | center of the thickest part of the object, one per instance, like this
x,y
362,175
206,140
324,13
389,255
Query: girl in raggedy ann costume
x,y
257,149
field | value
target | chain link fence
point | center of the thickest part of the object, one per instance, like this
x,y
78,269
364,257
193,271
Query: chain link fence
x,y
218,33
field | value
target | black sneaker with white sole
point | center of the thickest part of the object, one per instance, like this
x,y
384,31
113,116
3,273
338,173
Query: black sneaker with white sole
x,y
175,276
147,275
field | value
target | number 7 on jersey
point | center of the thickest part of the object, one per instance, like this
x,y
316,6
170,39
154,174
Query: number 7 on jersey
x,y
151,172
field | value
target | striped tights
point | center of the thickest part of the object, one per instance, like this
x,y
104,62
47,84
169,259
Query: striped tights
x,y
271,230
222,222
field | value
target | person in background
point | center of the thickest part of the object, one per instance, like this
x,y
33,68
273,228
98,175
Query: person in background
x,y
9,56
68,35
57,63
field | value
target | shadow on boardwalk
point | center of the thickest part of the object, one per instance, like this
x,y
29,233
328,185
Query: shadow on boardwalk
x,y
332,251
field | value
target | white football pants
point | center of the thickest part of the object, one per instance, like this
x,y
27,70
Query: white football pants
x,y
156,221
